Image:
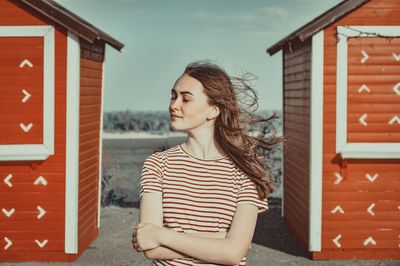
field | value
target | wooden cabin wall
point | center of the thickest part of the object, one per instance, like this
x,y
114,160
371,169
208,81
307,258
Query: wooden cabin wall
x,y
23,227
91,65
296,75
355,193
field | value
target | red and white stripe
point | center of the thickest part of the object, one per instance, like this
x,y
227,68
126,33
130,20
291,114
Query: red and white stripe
x,y
198,195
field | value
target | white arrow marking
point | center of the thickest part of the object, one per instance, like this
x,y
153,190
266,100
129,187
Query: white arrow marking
x,y
41,180
41,212
396,88
336,241
364,88
369,240
25,62
27,96
395,119
41,244
396,57
370,209
9,243
337,209
8,213
362,119
339,178
26,128
371,178
365,56
7,180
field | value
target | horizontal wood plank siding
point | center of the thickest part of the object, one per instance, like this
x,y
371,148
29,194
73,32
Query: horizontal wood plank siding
x,y
370,208
23,227
89,125
297,149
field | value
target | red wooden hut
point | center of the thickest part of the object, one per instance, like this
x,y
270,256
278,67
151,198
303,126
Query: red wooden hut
x,y
51,83
341,105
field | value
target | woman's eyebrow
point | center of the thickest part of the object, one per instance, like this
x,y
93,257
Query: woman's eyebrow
x,y
183,92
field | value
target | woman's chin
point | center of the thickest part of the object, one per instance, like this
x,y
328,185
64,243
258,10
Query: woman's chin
x,y
178,128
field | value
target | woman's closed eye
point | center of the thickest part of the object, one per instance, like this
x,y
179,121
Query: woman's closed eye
x,y
184,100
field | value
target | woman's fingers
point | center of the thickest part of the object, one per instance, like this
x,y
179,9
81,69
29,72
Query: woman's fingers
x,y
139,225
136,245
134,238
134,241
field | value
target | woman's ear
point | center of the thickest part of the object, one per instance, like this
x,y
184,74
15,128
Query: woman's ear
x,y
214,112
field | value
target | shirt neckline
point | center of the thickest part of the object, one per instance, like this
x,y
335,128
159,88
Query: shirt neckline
x,y
207,160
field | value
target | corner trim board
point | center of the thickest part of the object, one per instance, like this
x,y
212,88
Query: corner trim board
x,y
72,144
316,141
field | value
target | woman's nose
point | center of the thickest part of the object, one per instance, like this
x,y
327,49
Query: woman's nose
x,y
174,105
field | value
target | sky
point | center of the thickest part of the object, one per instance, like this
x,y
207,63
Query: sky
x,y
162,36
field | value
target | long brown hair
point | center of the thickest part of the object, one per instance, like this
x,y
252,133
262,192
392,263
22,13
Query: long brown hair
x,y
235,119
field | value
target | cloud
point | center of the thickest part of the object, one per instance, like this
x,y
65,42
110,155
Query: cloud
x,y
246,20
274,12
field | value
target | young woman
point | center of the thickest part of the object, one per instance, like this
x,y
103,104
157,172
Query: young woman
x,y
199,200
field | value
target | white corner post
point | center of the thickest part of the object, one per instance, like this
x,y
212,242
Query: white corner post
x,y
101,137
72,144
316,141
283,134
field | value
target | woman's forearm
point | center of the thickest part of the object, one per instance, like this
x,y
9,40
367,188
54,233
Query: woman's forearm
x,y
162,253
212,250
165,253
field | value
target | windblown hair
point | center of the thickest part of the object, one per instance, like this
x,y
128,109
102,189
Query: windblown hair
x,y
235,119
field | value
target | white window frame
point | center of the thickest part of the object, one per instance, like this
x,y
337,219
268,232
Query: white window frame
x,y
366,149
21,152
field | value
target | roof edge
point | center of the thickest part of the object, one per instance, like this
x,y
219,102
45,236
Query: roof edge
x,y
321,22
71,21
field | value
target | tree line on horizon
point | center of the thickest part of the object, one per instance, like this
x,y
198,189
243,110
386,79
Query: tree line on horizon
x,y
155,121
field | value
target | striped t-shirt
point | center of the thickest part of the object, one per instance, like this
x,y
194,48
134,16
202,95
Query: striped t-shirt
x,y
198,195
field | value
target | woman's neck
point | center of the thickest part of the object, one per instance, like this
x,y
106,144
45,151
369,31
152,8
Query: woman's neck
x,y
201,144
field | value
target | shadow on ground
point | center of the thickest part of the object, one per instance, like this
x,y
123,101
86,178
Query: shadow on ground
x,y
272,232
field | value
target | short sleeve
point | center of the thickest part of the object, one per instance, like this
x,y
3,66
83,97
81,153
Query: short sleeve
x,y
151,175
248,194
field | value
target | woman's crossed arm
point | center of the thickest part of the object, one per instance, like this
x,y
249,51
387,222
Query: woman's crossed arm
x,y
211,248
165,253
151,212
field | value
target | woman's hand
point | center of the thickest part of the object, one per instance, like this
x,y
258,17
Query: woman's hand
x,y
146,236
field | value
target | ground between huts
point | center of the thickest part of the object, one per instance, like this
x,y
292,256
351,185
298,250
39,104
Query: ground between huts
x,y
272,243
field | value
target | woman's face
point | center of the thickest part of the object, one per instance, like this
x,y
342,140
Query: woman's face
x,y
188,107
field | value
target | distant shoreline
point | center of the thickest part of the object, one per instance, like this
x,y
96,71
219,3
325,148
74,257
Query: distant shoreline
x,y
141,135
147,135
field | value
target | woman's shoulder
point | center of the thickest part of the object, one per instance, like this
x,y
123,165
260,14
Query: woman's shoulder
x,y
241,174
158,159
164,154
